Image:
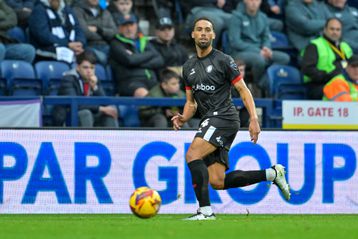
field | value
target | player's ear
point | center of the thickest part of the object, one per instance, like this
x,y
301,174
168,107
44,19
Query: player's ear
x,y
192,34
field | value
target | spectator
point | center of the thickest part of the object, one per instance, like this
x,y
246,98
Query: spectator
x,y
249,40
55,31
305,20
211,9
230,5
173,53
98,26
324,58
133,59
82,81
274,11
9,48
168,87
349,18
344,87
120,8
23,9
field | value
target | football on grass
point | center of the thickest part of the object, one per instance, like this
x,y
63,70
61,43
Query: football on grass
x,y
145,202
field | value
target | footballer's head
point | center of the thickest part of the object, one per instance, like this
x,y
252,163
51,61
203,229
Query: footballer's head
x,y
203,32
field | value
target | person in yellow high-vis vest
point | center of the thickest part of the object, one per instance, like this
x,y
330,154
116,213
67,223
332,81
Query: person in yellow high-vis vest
x,y
344,87
324,58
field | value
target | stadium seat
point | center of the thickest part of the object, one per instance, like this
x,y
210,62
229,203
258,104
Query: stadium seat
x,y
285,82
3,88
279,41
105,79
51,73
129,115
20,78
18,34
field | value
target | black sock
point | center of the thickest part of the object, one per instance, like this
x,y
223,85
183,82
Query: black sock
x,y
200,180
240,178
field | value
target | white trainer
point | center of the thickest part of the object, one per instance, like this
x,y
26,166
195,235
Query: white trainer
x,y
200,216
281,182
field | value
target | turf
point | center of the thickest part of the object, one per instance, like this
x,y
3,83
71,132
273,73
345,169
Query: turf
x,y
172,227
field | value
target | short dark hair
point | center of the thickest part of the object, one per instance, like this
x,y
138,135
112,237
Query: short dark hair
x,y
167,74
202,18
331,19
86,55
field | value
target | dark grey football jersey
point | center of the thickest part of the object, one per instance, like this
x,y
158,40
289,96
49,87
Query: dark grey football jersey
x,y
210,78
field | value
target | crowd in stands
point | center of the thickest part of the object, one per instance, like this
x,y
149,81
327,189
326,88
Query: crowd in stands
x,y
318,37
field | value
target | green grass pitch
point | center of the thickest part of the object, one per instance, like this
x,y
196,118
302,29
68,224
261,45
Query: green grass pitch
x,y
172,227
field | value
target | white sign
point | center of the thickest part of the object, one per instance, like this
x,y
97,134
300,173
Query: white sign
x,y
95,171
319,115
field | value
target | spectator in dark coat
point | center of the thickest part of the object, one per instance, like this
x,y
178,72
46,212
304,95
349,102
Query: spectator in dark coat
x,y
173,53
53,25
82,81
98,26
133,59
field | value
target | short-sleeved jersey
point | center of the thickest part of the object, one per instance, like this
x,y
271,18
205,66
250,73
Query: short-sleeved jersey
x,y
211,78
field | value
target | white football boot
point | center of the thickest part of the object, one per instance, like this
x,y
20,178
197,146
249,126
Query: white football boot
x,y
200,216
281,182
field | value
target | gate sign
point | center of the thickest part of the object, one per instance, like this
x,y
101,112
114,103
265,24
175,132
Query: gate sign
x,y
319,115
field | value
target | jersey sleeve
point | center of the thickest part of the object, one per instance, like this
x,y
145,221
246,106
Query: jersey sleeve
x,y
232,72
185,78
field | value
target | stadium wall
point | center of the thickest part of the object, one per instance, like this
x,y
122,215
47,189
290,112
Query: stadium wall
x,y
95,171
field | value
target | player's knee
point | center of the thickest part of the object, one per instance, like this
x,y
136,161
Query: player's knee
x,y
217,183
191,156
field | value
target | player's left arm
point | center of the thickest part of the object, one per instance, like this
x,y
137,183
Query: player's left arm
x,y
254,127
234,76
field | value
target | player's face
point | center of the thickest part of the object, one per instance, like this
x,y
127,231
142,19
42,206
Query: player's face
x,y
86,70
333,30
203,34
353,72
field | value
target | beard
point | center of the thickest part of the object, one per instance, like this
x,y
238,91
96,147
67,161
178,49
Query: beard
x,y
203,45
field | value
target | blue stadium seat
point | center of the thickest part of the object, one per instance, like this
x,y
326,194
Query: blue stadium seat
x,y
51,73
20,78
285,82
105,79
129,115
18,34
279,41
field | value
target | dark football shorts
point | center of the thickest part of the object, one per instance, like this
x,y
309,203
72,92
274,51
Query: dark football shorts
x,y
220,133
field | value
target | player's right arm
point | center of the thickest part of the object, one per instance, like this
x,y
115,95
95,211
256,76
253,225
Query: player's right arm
x,y
188,112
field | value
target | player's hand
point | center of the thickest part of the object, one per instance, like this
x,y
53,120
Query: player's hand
x,y
254,129
178,121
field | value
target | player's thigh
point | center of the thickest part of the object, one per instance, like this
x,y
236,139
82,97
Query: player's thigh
x,y
199,149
